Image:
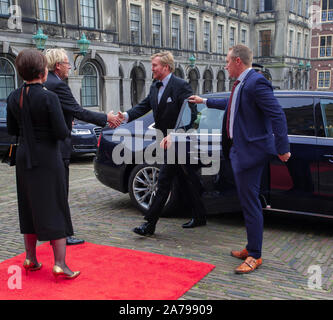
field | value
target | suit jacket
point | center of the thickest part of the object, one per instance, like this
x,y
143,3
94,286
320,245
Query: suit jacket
x,y
260,126
166,112
71,109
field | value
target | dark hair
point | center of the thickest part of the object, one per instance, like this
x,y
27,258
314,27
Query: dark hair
x,y
30,63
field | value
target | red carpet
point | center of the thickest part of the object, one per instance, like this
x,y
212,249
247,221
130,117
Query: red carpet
x,y
107,273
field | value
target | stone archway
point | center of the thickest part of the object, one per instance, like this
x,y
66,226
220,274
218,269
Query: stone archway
x,y
137,84
193,77
221,81
208,82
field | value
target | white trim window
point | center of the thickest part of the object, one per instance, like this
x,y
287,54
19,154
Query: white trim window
x,y
192,34
88,13
135,24
324,79
157,28
207,36
326,10
7,78
48,10
175,31
220,30
89,93
4,7
232,36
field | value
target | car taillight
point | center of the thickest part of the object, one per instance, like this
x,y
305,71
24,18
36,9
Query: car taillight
x,y
99,140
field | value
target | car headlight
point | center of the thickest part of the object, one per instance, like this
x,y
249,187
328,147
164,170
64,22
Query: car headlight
x,y
79,132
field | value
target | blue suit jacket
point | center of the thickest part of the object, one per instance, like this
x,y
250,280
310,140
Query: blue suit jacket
x,y
260,126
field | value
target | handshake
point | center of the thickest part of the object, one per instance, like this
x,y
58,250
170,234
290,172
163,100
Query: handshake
x,y
115,120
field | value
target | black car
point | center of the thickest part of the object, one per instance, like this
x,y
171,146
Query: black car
x,y
84,135
302,185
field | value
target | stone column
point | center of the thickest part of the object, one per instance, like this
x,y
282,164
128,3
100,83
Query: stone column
x,y
75,83
127,93
112,99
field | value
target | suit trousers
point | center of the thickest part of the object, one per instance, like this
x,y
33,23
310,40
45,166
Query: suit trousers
x,y
248,188
166,175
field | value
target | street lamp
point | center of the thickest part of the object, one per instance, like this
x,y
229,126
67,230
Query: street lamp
x,y
192,61
301,66
40,39
308,66
83,44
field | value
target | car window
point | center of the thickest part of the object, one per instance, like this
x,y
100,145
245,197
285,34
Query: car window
x,y
326,106
3,111
299,114
198,117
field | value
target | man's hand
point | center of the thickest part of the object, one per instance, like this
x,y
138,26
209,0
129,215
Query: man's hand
x,y
115,120
166,142
195,99
284,157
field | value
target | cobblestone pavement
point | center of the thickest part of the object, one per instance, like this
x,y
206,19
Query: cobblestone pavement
x,y
105,216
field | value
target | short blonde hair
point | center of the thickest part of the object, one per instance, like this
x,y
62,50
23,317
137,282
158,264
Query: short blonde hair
x,y
55,56
243,52
166,59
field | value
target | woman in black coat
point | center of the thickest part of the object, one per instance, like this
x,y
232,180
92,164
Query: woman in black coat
x,y
34,115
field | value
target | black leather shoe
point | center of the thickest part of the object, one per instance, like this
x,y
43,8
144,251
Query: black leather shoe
x,y
194,223
71,241
146,229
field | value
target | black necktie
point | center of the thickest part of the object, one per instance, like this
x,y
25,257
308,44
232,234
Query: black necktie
x,y
159,84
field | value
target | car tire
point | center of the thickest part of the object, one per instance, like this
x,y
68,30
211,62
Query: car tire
x,y
142,183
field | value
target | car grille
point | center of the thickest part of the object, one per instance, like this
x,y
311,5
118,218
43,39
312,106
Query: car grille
x,y
97,131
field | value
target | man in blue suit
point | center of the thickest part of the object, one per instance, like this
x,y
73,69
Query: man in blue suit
x,y
254,129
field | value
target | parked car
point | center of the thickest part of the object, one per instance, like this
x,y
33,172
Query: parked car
x,y
303,185
84,135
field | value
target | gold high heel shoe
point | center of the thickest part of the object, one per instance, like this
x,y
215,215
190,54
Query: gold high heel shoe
x,y
57,271
28,265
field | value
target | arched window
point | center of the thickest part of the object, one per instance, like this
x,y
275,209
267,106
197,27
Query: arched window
x,y
193,77
179,73
137,85
89,93
7,78
220,81
208,82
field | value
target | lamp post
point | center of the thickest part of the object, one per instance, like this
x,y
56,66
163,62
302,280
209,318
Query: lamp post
x,y
83,44
40,39
192,60
308,66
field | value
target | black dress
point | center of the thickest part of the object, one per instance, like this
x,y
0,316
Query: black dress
x,y
40,174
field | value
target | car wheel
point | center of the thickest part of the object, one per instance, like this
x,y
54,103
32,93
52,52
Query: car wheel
x,y
142,186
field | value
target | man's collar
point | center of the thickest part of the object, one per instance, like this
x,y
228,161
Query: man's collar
x,y
243,74
166,79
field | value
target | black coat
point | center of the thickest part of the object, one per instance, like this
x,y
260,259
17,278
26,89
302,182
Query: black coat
x,y
166,112
71,109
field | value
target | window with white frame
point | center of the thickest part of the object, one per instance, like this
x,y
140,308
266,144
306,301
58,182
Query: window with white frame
x,y
306,46
325,49
265,5
175,31
290,42
135,24
244,5
48,10
89,92
192,34
157,28
324,79
306,8
233,4
243,36
207,36
232,36
220,30
4,6
300,7
88,13
7,78
327,10
298,44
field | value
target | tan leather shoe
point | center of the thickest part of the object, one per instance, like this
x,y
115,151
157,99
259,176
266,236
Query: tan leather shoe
x,y
249,265
240,254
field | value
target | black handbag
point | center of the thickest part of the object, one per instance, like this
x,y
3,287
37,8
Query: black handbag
x,y
10,155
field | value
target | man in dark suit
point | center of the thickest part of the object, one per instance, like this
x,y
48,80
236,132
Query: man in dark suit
x,y
59,66
254,129
166,96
